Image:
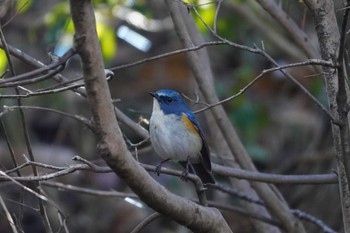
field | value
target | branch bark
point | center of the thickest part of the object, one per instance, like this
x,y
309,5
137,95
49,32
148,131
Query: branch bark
x,y
292,28
329,39
111,143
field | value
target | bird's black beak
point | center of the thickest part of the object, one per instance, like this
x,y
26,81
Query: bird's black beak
x,y
153,94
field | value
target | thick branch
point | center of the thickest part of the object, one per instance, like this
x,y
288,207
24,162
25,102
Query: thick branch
x,y
329,39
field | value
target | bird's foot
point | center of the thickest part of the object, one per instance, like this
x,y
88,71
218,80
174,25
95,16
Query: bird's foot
x,y
184,175
158,168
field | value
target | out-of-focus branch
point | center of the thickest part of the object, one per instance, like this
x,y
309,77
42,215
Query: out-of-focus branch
x,y
307,217
343,91
291,27
88,191
8,215
145,222
282,42
270,59
78,118
111,144
329,38
281,69
276,178
27,140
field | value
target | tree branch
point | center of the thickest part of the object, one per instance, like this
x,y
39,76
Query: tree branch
x,y
287,22
329,39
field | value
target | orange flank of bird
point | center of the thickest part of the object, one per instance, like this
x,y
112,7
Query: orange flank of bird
x,y
189,125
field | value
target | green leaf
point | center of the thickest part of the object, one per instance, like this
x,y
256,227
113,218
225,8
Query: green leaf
x,y
3,61
108,40
23,5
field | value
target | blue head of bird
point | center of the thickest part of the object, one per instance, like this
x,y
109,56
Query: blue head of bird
x,y
169,102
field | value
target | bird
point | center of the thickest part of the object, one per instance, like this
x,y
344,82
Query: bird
x,y
175,134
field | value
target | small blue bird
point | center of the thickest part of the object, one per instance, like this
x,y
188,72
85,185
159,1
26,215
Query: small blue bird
x,y
176,135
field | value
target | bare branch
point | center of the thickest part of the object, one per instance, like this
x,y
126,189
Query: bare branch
x,y
168,54
69,187
268,57
303,89
278,68
292,28
8,215
26,135
307,217
78,118
8,83
52,69
40,93
275,178
41,197
145,222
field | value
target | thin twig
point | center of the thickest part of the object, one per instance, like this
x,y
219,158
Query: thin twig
x,y
264,72
330,178
28,162
7,177
298,35
245,212
307,217
145,222
26,134
78,118
234,192
51,73
302,88
89,191
163,55
217,14
8,215
298,213
40,93
63,222
264,54
58,63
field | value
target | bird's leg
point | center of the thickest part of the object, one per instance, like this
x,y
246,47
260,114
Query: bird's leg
x,y
159,166
185,173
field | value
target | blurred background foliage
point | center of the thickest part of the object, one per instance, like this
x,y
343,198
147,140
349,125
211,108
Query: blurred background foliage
x,y
282,130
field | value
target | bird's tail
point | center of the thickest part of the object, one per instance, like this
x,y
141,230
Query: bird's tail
x,y
205,175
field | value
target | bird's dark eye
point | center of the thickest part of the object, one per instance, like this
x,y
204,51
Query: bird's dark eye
x,y
169,99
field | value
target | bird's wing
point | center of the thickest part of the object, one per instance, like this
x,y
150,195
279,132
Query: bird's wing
x,y
192,124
